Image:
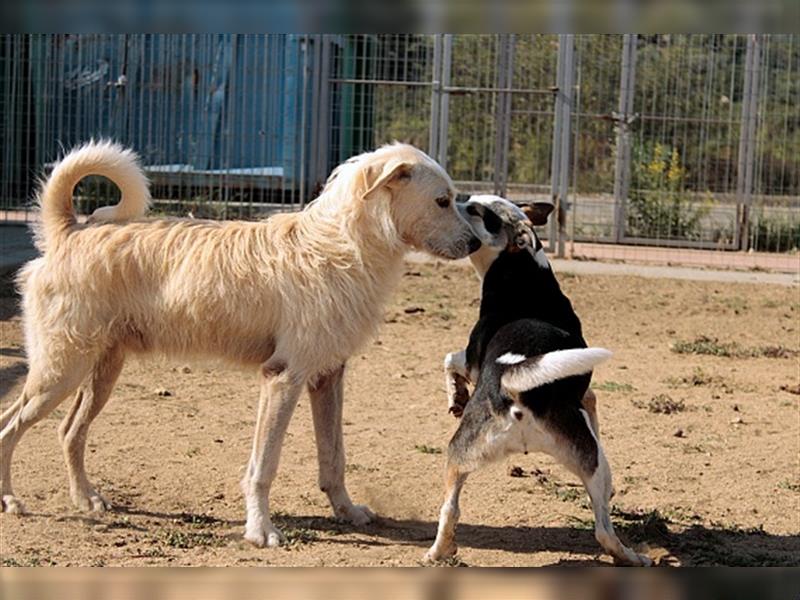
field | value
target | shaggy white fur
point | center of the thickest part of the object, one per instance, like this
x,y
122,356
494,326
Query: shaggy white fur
x,y
294,296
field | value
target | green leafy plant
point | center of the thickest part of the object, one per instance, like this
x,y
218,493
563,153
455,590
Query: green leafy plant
x,y
613,386
774,234
712,346
658,204
425,449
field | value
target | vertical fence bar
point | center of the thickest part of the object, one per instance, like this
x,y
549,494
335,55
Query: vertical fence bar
x,y
555,154
444,99
316,114
318,140
303,43
623,120
576,140
567,94
323,135
747,139
559,176
502,116
436,94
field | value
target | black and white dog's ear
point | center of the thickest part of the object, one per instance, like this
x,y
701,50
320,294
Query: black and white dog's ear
x,y
492,222
499,223
537,212
485,223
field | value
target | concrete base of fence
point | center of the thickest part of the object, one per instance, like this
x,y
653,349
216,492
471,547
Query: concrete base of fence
x,y
718,259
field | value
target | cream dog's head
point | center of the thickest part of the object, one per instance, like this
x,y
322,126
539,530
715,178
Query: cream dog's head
x,y
410,196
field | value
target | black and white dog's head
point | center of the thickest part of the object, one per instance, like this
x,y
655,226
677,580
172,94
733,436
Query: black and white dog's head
x,y
501,226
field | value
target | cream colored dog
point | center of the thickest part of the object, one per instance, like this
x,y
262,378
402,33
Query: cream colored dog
x,y
293,296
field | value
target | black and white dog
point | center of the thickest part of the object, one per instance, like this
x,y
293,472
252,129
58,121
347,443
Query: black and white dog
x,y
531,368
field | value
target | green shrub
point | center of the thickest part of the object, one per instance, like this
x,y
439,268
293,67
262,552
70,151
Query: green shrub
x,y
774,234
658,204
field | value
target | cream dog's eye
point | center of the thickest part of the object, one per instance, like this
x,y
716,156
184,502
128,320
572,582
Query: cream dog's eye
x,y
443,201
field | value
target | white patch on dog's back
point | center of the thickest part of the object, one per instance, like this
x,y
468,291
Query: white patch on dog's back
x,y
509,358
547,368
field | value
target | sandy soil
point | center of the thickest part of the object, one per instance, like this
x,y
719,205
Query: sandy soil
x,y
704,448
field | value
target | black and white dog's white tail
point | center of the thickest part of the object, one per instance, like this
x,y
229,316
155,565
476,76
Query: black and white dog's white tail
x,y
526,373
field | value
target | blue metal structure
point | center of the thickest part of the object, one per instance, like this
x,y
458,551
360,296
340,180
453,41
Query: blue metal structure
x,y
189,104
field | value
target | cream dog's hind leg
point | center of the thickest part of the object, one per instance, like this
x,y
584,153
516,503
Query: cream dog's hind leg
x,y
46,387
89,401
327,396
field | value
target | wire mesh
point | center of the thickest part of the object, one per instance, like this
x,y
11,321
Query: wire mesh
x,y
218,120
235,126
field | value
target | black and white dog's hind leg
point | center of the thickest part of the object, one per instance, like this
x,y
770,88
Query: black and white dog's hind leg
x,y
577,447
445,544
599,487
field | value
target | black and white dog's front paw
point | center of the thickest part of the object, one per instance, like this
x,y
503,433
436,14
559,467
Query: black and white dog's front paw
x,y
456,382
457,396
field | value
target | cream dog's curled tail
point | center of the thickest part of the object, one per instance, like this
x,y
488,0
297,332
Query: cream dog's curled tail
x,y
105,158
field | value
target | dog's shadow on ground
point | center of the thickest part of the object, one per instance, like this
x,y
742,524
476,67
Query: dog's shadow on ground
x,y
10,374
692,545
12,359
12,368
670,544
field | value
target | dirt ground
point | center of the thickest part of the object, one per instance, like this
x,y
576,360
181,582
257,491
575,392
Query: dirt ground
x,y
704,444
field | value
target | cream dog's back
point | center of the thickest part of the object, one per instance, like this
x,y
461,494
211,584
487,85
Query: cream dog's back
x,y
204,288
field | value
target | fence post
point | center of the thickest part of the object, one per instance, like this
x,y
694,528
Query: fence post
x,y
559,176
555,150
502,113
623,120
444,99
566,138
314,141
318,162
747,139
436,93
304,49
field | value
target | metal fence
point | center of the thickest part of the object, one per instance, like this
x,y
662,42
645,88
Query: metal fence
x,y
672,140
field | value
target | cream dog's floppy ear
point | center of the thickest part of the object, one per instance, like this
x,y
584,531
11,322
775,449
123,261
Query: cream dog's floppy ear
x,y
381,175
